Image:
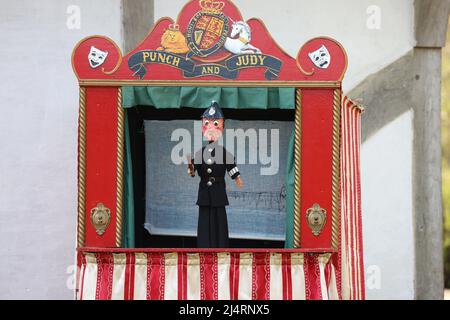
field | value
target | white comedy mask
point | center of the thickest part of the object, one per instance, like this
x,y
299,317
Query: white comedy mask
x,y
97,57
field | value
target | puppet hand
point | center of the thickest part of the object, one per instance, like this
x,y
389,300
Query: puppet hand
x,y
191,172
239,182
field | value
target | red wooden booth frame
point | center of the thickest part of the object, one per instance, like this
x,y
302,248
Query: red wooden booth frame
x,y
317,113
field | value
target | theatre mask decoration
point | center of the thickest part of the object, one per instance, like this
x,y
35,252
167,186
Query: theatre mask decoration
x,y
213,44
97,57
321,57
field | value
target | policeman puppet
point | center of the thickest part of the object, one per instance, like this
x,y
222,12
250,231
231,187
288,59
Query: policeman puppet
x,y
212,162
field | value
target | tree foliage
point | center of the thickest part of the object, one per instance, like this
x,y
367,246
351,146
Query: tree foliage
x,y
445,112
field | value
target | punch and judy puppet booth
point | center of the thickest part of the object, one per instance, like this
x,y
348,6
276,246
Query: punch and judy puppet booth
x,y
211,53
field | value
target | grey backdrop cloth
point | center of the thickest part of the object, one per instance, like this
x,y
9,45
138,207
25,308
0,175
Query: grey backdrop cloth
x,y
255,212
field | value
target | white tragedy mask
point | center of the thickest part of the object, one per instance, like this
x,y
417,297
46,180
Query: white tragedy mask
x,y
321,57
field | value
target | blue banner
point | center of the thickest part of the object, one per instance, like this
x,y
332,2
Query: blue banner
x,y
138,61
211,70
244,61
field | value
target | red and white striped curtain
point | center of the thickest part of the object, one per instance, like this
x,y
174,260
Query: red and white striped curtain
x,y
206,276
351,263
236,275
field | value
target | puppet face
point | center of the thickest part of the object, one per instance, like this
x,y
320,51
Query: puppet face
x,y
212,129
321,57
97,57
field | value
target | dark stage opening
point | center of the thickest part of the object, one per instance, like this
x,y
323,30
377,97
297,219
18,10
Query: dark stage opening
x,y
136,121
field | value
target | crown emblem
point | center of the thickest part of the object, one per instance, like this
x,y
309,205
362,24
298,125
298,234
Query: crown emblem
x,y
211,6
174,27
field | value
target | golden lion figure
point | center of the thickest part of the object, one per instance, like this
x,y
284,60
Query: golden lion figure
x,y
173,41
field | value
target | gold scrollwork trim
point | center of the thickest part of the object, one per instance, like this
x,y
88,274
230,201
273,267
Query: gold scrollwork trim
x,y
336,178
218,83
297,168
297,258
120,163
324,258
81,233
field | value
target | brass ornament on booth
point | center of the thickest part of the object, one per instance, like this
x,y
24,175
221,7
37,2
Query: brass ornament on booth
x,y
316,218
100,218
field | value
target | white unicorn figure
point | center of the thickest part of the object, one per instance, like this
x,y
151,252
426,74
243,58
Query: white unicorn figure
x,y
241,44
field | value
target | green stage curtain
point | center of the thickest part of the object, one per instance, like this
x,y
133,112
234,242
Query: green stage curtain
x,y
290,178
128,207
201,97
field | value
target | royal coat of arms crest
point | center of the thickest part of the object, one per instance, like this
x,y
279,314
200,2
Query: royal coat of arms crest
x,y
208,29
212,37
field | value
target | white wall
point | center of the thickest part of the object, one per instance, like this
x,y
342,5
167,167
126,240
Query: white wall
x,y
38,141
388,233
293,22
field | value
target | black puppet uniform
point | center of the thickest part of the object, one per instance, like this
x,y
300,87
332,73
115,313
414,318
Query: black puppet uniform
x,y
211,164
